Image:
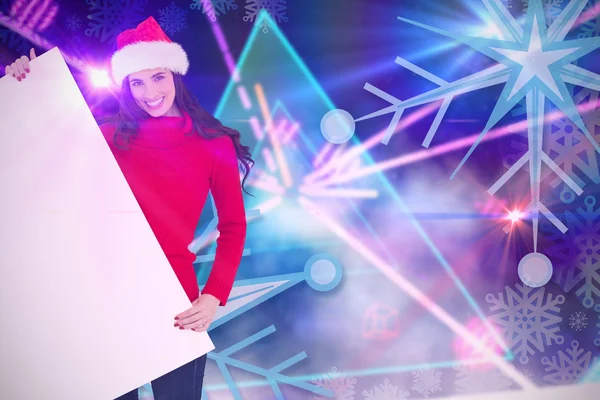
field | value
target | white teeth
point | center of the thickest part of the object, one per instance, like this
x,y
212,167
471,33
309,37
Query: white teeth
x,y
155,103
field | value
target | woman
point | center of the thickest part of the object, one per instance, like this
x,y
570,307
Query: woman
x,y
171,151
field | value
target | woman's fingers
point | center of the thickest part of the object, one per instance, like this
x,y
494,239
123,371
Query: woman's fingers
x,y
20,70
185,322
32,55
203,326
25,62
15,71
8,71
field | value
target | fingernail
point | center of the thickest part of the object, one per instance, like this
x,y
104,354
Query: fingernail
x,y
176,325
176,318
27,70
23,76
19,78
181,327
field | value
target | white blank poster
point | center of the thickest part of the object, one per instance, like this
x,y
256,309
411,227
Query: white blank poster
x,y
87,297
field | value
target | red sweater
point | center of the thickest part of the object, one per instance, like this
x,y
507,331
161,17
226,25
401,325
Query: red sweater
x,y
170,171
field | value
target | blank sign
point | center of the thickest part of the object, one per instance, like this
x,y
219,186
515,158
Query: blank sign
x,y
87,297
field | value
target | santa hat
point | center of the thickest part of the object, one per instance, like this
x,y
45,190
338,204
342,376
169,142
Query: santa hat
x,y
146,47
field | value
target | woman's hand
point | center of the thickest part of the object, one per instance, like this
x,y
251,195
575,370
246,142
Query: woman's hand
x,y
200,316
20,67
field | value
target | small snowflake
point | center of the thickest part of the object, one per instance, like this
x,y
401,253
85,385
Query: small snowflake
x,y
73,23
528,373
480,380
578,321
341,386
567,367
172,18
214,8
427,382
276,8
591,27
552,9
108,18
386,391
529,318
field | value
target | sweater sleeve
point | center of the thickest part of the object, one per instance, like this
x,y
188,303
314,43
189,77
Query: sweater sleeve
x,y
226,190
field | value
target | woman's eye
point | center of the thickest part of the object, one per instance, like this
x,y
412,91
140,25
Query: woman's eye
x,y
159,78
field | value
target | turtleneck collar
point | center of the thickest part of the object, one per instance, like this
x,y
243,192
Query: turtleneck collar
x,y
164,131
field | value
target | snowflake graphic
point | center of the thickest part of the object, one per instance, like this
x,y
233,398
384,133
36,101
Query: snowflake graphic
x,y
578,321
276,8
386,391
214,8
341,385
591,27
172,18
73,23
480,380
427,382
109,17
552,9
529,318
567,367
580,270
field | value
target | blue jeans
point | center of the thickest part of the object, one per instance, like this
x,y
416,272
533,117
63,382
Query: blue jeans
x,y
184,383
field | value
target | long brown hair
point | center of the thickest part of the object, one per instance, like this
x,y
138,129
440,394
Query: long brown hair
x,y
127,120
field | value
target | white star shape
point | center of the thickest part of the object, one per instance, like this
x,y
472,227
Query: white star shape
x,y
535,62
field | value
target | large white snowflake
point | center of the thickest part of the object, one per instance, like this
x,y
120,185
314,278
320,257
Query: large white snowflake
x,y
529,318
341,385
108,18
427,382
276,8
578,321
172,18
214,8
552,9
386,391
569,366
471,379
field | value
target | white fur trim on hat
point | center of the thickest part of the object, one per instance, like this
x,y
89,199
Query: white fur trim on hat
x,y
148,55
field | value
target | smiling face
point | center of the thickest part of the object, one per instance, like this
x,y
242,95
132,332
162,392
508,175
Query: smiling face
x,y
154,91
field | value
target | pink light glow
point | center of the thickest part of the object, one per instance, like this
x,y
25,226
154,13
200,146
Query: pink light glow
x,y
99,78
269,159
322,153
256,128
245,99
588,15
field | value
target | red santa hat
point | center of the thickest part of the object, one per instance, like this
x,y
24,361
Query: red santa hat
x,y
146,47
